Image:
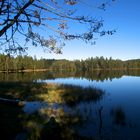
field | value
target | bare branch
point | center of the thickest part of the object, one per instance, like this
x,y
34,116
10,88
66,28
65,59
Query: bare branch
x,y
5,28
27,17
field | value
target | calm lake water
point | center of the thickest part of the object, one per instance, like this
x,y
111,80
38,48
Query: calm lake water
x,y
120,105
115,116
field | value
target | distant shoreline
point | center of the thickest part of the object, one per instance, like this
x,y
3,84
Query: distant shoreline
x,y
44,70
27,70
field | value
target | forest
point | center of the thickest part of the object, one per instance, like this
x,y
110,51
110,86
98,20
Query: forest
x,y
27,63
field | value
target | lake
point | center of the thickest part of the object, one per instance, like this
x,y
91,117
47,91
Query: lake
x,y
114,115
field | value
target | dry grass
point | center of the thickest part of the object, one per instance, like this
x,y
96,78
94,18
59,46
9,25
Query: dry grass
x,y
51,93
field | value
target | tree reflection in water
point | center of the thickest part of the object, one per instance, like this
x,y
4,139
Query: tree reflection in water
x,y
98,75
55,111
119,117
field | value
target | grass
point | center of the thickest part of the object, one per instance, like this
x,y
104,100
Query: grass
x,y
70,94
12,117
21,90
51,93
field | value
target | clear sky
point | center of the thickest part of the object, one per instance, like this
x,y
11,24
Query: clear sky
x,y
122,15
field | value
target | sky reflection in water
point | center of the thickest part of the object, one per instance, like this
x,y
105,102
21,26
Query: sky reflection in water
x,y
119,116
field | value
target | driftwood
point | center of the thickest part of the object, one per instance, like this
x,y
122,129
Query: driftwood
x,y
12,102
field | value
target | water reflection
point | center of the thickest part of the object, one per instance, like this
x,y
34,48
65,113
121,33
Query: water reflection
x,y
58,124
98,75
80,122
118,115
104,107
47,101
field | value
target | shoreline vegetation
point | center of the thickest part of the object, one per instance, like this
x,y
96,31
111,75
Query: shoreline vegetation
x,y
18,93
30,64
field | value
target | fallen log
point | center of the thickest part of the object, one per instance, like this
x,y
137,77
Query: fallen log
x,y
12,102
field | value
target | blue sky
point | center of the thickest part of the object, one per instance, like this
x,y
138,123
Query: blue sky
x,y
122,15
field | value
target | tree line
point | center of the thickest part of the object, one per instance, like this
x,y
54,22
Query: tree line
x,y
23,63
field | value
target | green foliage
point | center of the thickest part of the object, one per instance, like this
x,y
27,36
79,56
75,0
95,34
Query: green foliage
x,y
20,63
